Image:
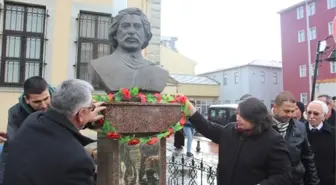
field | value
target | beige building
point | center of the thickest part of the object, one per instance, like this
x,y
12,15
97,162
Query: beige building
x,y
57,38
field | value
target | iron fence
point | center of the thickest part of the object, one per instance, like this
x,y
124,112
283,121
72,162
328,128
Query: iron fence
x,y
190,171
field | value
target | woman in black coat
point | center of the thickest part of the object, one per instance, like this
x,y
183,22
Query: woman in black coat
x,y
250,151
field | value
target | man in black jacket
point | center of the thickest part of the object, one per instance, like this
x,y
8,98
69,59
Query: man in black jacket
x,y
35,97
48,147
321,136
294,133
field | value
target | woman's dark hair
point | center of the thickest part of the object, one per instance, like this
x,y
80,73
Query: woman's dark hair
x,y
255,111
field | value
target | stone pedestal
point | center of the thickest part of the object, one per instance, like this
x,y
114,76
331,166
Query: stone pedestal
x,y
143,164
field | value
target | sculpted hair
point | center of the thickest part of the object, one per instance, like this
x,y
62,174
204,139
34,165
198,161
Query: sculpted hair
x,y
71,96
255,111
34,85
323,105
283,97
116,22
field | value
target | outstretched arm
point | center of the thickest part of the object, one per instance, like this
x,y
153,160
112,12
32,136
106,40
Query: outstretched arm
x,y
206,128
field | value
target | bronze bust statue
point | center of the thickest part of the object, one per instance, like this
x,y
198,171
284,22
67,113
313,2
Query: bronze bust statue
x,y
126,67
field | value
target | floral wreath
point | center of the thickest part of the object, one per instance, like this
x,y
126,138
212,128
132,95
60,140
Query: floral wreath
x,y
133,95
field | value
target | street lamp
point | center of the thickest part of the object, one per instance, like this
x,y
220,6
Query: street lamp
x,y
321,48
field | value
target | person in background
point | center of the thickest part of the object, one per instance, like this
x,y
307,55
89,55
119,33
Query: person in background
x,y
295,135
189,132
331,116
233,117
250,151
35,97
48,148
179,140
298,114
322,139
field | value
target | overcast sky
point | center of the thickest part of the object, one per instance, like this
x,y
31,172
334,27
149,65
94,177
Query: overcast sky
x,y
222,33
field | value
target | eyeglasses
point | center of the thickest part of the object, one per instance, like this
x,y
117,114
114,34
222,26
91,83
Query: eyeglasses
x,y
90,108
313,112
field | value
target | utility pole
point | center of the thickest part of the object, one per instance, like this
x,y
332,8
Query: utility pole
x,y
309,49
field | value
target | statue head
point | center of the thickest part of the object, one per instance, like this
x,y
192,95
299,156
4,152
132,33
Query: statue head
x,y
130,30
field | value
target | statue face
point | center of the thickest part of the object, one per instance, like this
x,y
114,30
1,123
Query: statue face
x,y
131,33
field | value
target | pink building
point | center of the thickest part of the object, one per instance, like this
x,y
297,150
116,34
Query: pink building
x,y
302,26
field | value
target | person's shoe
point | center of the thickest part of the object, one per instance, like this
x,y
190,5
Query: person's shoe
x,y
189,154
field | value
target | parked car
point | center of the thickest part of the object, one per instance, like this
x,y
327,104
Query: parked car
x,y
222,114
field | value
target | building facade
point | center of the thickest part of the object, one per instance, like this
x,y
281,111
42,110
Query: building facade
x,y
262,79
302,26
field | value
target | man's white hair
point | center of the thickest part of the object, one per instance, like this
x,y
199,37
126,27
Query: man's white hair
x,y
323,105
71,96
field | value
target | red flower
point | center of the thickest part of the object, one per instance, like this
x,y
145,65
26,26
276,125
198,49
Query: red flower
x,y
99,122
113,135
171,132
153,141
110,96
126,93
181,99
142,97
134,142
158,97
183,120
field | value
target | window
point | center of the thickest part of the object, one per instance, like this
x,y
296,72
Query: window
x,y
303,98
301,36
236,77
313,70
311,9
93,42
275,77
332,67
299,13
331,4
303,71
330,28
237,101
225,79
227,101
312,33
23,43
262,75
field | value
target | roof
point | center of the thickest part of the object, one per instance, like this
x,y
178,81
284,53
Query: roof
x,y
193,79
235,106
260,63
294,6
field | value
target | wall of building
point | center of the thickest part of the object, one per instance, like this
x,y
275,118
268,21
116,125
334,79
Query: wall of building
x,y
176,63
249,81
267,87
295,54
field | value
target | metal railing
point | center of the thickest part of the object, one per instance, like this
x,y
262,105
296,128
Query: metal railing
x,y
190,171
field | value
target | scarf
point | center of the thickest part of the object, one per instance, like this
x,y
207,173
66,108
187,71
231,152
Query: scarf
x,y
281,127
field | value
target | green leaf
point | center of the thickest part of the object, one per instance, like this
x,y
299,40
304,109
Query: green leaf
x,y
105,127
177,127
185,109
134,91
117,98
145,140
125,139
162,135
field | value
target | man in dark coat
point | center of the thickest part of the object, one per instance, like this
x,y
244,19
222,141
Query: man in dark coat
x,y
48,147
295,135
321,136
35,97
331,115
250,152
